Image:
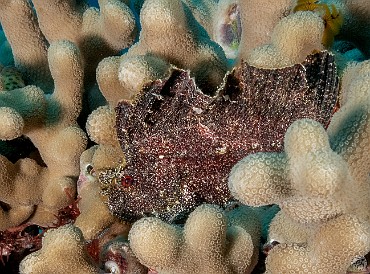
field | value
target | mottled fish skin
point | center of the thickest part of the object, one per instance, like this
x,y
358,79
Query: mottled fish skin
x,y
181,144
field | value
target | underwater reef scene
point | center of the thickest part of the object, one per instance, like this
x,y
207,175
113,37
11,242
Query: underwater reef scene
x,y
185,136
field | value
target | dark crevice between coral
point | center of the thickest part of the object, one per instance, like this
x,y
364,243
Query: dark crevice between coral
x,y
16,149
5,206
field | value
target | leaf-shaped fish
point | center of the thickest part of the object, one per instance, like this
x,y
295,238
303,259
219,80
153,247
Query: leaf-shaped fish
x,y
181,144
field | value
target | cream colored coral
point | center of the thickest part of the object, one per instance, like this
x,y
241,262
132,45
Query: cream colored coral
x,y
312,185
210,242
211,15
292,39
101,124
330,250
101,128
63,251
258,19
134,72
170,34
349,131
284,229
29,102
114,23
97,33
51,124
11,125
123,79
28,44
95,216
15,216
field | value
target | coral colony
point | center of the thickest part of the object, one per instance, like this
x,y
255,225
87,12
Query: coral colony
x,y
185,136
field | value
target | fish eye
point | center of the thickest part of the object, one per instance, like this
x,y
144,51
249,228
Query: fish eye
x,y
127,181
90,169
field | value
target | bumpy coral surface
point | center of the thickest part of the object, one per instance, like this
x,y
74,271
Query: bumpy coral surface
x,y
35,189
63,251
169,35
90,204
211,241
285,49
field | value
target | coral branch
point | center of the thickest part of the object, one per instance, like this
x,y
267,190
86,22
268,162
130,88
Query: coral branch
x,y
210,242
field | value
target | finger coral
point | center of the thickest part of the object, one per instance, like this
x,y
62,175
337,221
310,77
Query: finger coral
x,y
331,249
64,73
29,46
258,19
35,191
292,39
90,203
63,251
97,33
169,35
318,182
211,241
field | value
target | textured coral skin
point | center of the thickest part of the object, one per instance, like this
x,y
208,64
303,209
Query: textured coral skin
x,y
65,247
107,30
39,189
170,33
30,56
100,126
320,182
85,27
90,204
211,241
292,39
258,20
63,70
330,249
